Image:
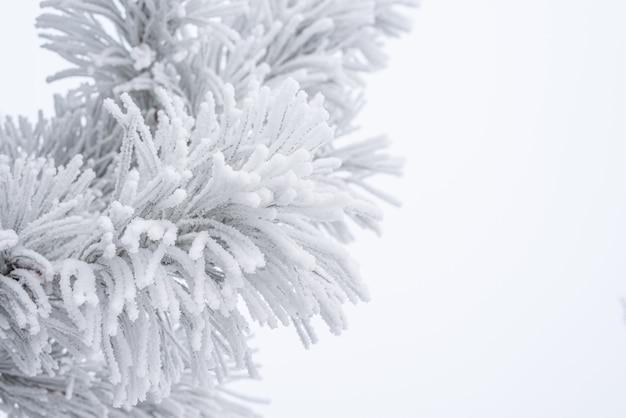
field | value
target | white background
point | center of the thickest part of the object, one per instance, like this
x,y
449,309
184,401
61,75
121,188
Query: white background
x,y
496,288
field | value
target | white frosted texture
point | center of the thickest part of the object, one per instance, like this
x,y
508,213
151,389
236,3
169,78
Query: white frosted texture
x,y
202,182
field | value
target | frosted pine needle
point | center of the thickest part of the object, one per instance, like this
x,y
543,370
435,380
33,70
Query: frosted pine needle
x,y
197,185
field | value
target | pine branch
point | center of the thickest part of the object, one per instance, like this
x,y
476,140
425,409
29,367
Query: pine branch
x,y
138,241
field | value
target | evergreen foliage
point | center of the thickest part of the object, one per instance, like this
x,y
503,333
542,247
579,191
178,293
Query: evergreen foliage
x,y
202,178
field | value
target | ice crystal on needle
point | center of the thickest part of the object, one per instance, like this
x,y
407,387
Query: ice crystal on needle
x,y
194,184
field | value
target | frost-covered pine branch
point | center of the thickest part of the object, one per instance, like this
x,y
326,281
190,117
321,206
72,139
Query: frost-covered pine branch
x,y
193,188
195,46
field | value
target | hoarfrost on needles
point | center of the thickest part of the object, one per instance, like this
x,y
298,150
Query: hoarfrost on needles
x,y
196,182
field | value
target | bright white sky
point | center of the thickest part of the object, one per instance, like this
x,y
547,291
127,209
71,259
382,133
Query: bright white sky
x,y
496,288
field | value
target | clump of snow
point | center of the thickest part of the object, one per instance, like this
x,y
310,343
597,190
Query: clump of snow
x,y
143,56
